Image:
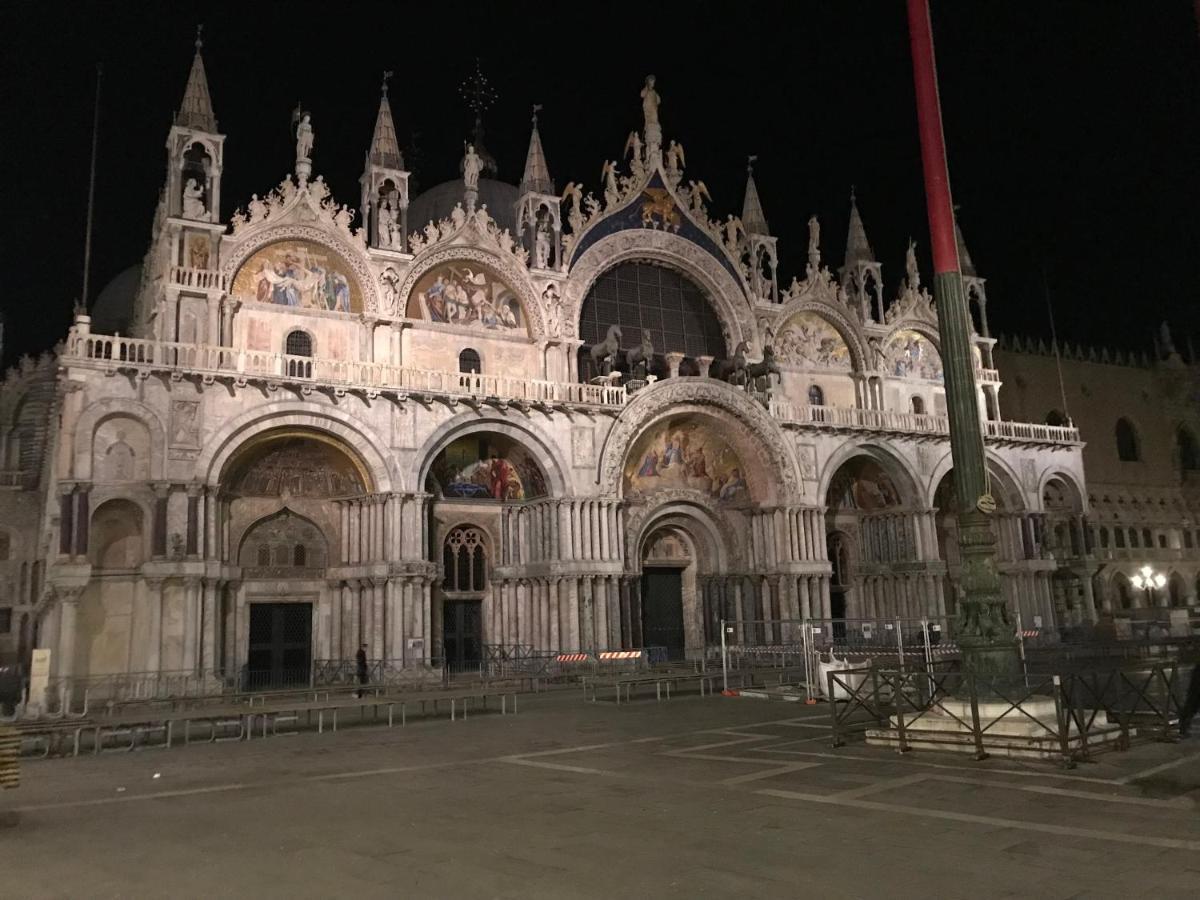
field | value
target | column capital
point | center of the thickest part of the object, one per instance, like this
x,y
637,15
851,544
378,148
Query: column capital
x,y
161,489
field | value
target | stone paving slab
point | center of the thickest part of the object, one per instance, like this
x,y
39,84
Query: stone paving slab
x,y
578,800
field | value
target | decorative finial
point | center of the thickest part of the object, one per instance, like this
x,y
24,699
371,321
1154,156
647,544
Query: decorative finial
x,y
750,161
386,76
536,108
851,195
199,37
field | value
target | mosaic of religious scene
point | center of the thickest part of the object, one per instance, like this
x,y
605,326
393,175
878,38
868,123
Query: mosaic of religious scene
x,y
300,467
680,453
909,354
808,340
488,467
299,273
862,484
465,293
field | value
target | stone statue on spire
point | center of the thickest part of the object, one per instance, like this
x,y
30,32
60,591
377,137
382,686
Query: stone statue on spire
x,y
912,274
650,104
814,243
472,166
302,123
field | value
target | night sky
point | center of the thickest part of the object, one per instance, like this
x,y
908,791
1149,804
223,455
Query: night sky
x,y
1072,128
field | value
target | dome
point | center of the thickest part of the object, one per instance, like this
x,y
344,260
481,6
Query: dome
x,y
113,310
436,203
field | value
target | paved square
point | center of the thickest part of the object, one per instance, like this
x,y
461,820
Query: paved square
x,y
689,798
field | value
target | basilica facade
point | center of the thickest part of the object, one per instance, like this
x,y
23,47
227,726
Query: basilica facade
x,y
499,415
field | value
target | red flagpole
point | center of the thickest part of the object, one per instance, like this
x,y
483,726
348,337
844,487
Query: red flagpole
x,y
933,143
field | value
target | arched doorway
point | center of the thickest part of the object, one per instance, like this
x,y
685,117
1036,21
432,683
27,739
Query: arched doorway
x,y
117,548
667,558
287,499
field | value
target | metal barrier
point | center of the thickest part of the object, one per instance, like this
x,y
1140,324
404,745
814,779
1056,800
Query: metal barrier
x,y
1062,715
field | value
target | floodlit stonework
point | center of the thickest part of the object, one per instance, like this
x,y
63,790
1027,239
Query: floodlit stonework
x,y
329,427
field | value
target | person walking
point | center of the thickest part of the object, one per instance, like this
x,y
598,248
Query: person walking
x,y
360,666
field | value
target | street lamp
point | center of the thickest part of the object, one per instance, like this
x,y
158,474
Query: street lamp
x,y
1146,579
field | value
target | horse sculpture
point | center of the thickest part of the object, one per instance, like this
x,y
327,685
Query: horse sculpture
x,y
758,375
735,370
639,358
605,354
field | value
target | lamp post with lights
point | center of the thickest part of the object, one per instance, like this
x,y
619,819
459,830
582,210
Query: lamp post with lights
x,y
1146,579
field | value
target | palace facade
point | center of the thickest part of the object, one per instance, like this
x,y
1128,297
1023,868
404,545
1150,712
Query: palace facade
x,y
495,415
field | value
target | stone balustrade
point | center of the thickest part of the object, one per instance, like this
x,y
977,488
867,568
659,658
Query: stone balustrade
x,y
203,279
217,361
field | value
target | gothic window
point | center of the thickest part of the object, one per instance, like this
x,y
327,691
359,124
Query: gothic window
x,y
264,555
1133,538
299,556
469,362
1189,453
917,405
816,396
1127,442
1119,538
1147,538
463,561
1054,417
5,620
1103,536
1187,539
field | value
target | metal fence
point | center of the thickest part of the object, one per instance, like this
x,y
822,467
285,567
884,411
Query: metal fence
x,y
1066,716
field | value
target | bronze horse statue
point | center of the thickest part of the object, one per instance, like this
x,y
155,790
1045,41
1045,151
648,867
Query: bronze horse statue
x,y
758,375
605,354
639,358
734,371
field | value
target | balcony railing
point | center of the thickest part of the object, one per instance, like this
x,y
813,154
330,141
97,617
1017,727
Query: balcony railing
x,y
357,375
197,278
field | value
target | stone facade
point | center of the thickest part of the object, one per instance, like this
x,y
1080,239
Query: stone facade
x,y
401,429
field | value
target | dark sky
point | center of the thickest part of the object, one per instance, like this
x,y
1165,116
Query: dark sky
x,y
1071,126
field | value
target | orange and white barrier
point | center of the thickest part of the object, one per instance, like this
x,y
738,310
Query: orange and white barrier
x,y
620,654
571,657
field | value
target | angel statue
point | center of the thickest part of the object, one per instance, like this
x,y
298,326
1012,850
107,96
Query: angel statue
x,y
735,232
910,266
609,175
699,193
675,161
574,193
633,148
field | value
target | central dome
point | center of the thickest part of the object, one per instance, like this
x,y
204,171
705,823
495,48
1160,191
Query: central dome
x,y
437,202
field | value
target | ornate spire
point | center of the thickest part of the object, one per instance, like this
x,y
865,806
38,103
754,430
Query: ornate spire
x,y
385,151
536,179
753,219
196,109
965,265
858,248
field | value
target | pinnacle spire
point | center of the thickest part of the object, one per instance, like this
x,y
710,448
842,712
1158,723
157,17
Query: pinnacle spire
x,y
858,248
753,218
385,150
965,265
537,173
196,109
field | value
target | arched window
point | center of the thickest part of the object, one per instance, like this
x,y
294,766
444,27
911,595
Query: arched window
x,y
917,404
299,555
5,545
1103,536
469,362
1189,453
1133,538
298,343
816,396
264,555
1127,442
1147,538
463,561
1054,417
1119,538
1187,539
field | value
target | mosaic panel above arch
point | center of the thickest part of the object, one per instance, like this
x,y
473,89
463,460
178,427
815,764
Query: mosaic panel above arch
x,y
684,452
464,292
488,466
808,340
301,274
910,354
296,466
862,484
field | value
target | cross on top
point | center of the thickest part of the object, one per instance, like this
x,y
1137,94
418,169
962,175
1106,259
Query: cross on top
x,y
477,91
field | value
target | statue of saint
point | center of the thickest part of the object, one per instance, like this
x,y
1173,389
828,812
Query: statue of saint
x,y
193,200
650,101
472,165
387,224
304,137
814,237
541,249
910,266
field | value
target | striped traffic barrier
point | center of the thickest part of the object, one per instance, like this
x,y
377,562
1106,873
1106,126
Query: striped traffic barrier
x,y
571,657
620,654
